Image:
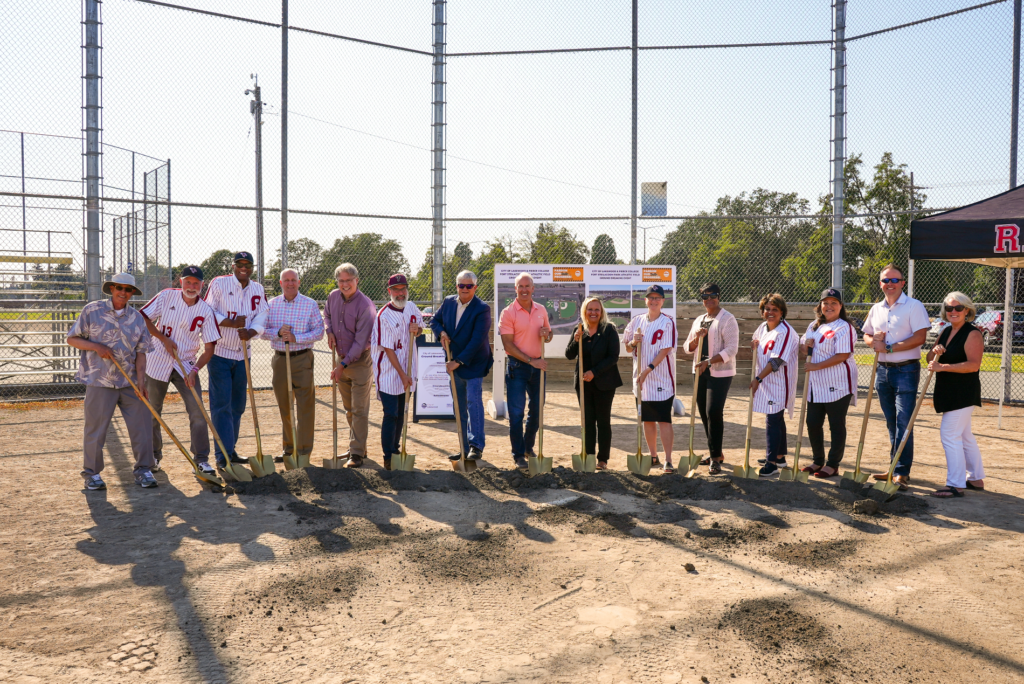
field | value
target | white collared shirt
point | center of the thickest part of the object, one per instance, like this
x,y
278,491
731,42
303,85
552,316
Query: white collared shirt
x,y
899,322
460,309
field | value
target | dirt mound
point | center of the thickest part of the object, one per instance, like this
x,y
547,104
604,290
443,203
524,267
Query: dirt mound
x,y
823,554
485,557
817,496
767,623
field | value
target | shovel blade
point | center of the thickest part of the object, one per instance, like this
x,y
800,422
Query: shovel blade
x,y
289,462
467,465
856,475
236,473
211,480
694,461
257,467
406,462
802,476
538,465
639,464
786,475
584,463
303,461
749,473
887,487
334,463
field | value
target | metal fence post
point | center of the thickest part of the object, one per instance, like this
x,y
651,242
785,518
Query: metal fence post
x,y
633,162
910,262
1007,359
92,128
170,260
284,134
437,129
838,141
24,221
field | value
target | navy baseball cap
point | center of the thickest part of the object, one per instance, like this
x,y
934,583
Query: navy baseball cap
x,y
244,256
398,279
656,289
192,272
831,292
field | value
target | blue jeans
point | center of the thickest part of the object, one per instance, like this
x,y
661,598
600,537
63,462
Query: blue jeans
x,y
775,436
227,400
471,411
897,395
522,380
391,424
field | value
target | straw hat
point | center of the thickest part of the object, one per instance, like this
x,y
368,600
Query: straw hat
x,y
121,279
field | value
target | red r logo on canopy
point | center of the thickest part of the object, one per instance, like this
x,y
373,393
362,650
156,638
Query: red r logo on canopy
x,y
1007,238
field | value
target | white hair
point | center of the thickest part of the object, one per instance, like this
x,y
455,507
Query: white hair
x,y
522,275
466,275
346,268
289,270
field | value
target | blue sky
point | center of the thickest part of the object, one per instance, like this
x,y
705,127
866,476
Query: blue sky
x,y
528,136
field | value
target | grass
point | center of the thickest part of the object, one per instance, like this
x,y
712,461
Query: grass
x,y
989,362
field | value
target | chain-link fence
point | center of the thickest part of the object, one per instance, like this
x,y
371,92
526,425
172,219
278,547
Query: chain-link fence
x,y
496,134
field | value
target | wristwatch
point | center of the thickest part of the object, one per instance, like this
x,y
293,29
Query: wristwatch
x,y
759,379
888,348
651,366
343,364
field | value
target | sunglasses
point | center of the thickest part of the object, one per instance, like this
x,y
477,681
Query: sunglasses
x,y
958,308
709,296
467,286
122,288
892,280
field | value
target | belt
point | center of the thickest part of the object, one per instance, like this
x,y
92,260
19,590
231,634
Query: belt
x,y
892,364
294,353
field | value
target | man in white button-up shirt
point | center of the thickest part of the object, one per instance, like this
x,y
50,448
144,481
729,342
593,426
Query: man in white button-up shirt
x,y
896,327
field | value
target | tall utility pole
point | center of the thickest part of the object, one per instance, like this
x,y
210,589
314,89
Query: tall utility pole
x,y
437,133
838,140
256,109
92,130
284,135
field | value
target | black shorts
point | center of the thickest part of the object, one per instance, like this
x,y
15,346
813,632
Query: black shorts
x,y
657,411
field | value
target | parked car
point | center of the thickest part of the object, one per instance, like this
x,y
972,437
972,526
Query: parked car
x,y
991,325
938,325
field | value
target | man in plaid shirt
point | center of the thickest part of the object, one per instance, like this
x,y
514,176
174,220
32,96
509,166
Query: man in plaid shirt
x,y
294,318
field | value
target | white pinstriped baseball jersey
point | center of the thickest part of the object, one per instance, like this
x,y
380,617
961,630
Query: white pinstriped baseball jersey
x,y
658,334
391,331
778,391
835,382
228,300
190,327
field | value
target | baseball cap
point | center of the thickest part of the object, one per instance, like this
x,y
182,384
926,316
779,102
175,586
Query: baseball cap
x,y
831,292
192,272
656,289
244,256
398,279
711,288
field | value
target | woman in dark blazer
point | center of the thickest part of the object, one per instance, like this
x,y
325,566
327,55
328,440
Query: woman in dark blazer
x,y
600,372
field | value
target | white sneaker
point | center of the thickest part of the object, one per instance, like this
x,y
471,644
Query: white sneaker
x,y
206,469
95,482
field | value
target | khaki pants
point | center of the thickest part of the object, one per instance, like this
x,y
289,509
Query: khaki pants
x,y
198,430
100,403
356,386
305,400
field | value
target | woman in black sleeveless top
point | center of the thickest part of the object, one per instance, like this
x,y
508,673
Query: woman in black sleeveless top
x,y
956,360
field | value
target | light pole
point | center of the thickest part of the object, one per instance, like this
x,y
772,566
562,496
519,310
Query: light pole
x,y
256,109
645,229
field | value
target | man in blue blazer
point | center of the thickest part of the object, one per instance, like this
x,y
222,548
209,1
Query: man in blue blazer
x,y
465,320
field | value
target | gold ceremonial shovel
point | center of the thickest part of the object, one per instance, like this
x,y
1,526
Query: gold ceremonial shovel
x,y
856,476
334,463
403,460
261,464
793,474
540,464
638,463
884,490
746,470
583,462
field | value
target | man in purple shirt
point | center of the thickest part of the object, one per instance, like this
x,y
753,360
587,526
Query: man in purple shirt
x,y
349,316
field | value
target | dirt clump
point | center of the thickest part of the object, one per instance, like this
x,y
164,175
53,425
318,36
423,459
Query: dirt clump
x,y
767,623
817,554
485,557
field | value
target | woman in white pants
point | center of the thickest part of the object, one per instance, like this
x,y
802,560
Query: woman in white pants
x,y
956,360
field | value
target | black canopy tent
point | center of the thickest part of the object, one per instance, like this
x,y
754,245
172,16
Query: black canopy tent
x,y
989,232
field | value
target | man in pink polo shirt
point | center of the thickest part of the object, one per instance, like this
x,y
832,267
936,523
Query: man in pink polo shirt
x,y
522,325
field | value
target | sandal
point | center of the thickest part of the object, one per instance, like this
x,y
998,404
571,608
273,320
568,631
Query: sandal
x,y
601,465
655,463
813,468
974,487
715,468
706,461
950,492
820,472
668,470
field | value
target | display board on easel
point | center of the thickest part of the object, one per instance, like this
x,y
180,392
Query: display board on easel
x,y
560,288
433,396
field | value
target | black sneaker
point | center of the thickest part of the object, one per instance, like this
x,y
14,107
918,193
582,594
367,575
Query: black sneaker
x,y
521,463
235,458
781,464
475,453
454,457
770,469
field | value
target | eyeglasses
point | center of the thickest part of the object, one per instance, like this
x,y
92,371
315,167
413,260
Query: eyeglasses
x,y
122,288
892,280
958,308
709,296
467,286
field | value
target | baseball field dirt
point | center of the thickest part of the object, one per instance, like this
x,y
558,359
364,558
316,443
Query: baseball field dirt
x,y
360,576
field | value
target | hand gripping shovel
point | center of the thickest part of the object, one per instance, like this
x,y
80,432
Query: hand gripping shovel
x,y
334,463
261,464
403,460
793,474
539,464
295,459
583,462
855,477
638,463
884,490
212,480
746,470
235,473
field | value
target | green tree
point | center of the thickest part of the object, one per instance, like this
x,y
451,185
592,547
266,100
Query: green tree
x,y
219,263
376,258
554,244
603,251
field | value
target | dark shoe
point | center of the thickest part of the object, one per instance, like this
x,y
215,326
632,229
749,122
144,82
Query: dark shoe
x,y
475,453
903,481
770,469
354,462
521,463
833,471
781,464
235,458
95,482
655,463
277,459
948,493
881,476
145,480
387,464
455,457
601,465
974,487
714,468
813,468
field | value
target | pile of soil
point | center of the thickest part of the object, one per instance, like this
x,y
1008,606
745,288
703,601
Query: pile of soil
x,y
767,623
486,557
319,481
820,554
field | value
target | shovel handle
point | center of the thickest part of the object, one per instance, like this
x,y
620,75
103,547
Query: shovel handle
x,y
291,402
334,401
206,416
252,399
455,403
540,414
803,415
750,411
405,409
910,426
